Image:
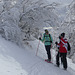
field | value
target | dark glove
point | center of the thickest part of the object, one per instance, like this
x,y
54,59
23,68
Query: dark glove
x,y
58,47
50,41
59,37
56,42
39,38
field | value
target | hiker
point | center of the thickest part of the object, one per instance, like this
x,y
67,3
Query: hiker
x,y
62,45
47,39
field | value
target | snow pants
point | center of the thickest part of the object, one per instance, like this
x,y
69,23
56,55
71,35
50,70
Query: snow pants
x,y
48,47
63,59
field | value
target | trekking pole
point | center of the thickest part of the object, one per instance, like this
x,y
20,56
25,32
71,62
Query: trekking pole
x,y
37,47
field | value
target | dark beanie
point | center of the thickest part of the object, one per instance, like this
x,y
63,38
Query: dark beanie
x,y
63,34
46,30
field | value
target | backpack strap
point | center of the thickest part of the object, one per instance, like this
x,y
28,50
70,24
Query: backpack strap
x,y
47,36
68,47
50,36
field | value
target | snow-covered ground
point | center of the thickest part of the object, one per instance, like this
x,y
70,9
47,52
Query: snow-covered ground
x,y
17,61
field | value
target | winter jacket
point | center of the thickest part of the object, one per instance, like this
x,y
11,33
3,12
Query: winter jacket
x,y
63,45
47,39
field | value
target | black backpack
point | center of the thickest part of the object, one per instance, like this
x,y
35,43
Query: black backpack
x,y
68,46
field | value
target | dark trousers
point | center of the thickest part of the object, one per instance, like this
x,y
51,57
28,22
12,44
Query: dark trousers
x,y
63,59
48,47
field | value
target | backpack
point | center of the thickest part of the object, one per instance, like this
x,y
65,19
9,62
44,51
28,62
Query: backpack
x,y
68,46
49,36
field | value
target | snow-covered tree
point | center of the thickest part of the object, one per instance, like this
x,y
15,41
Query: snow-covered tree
x,y
69,26
9,20
38,14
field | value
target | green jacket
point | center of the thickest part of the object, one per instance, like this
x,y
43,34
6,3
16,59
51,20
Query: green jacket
x,y
46,39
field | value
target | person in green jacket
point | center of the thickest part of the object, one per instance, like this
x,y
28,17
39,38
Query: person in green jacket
x,y
47,39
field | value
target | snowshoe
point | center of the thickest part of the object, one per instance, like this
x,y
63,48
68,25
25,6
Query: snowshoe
x,y
48,61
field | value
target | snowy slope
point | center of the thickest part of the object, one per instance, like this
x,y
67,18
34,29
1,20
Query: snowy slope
x,y
17,61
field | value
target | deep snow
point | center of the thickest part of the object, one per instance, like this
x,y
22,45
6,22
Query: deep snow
x,y
17,61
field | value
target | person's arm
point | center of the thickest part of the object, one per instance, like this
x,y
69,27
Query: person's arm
x,y
43,37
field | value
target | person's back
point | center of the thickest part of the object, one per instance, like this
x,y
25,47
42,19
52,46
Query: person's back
x,y
47,39
63,45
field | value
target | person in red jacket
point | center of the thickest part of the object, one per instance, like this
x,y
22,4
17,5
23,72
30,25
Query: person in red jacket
x,y
62,45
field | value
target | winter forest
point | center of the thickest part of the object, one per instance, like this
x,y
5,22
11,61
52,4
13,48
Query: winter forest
x,y
22,20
